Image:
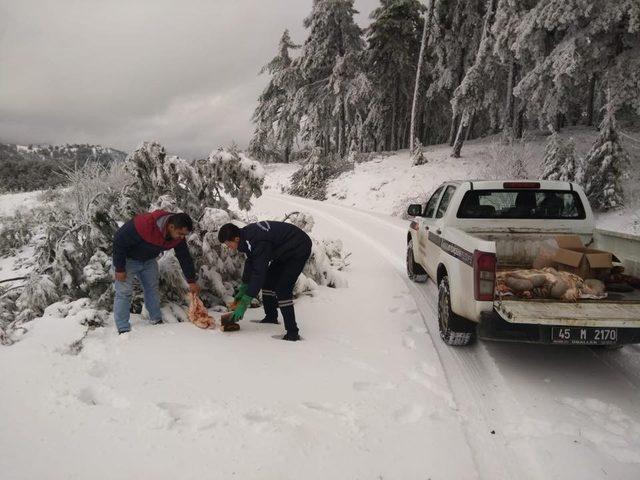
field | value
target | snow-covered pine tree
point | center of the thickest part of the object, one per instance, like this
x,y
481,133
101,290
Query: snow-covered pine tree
x,y
604,167
327,260
456,32
565,46
394,37
417,154
311,179
480,85
277,122
559,161
333,84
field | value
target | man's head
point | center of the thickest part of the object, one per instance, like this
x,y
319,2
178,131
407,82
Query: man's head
x,y
229,234
179,226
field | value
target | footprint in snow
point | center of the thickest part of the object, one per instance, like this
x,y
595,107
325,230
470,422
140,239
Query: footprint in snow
x,y
369,386
408,342
342,413
181,415
409,414
101,395
269,421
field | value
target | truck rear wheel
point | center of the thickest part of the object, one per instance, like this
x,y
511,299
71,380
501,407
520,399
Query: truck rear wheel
x,y
415,272
454,330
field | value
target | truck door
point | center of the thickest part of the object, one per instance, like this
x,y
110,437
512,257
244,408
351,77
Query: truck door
x,y
432,247
425,223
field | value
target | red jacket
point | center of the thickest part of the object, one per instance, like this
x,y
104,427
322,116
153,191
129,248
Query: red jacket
x,y
141,239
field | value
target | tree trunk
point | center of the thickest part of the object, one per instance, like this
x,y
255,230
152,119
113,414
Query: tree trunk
x,y
416,88
518,122
342,130
509,107
591,100
558,124
457,146
287,153
425,125
453,129
469,127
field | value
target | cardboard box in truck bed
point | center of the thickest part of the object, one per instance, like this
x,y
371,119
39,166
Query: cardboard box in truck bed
x,y
574,257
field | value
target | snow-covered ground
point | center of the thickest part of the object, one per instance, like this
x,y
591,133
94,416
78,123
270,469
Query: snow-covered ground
x,y
370,393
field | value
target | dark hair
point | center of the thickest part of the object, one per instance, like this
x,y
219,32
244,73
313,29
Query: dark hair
x,y
181,220
228,231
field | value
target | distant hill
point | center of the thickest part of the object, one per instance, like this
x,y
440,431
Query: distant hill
x,y
37,167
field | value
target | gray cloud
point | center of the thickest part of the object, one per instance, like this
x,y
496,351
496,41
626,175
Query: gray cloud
x,y
118,72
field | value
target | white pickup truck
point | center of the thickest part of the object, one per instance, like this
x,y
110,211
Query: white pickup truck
x,y
468,230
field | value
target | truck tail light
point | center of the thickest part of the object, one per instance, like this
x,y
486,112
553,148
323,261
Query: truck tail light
x,y
414,226
535,185
484,275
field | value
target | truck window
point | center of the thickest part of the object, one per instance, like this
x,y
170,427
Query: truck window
x,y
534,204
430,209
444,203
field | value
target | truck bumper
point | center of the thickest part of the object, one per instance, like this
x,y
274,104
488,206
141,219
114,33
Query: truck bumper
x,y
493,327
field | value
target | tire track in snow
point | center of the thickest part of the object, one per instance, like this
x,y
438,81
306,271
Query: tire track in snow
x,y
466,379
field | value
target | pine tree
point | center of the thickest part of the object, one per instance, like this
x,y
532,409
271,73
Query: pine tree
x,y
334,86
417,154
559,161
456,33
479,86
394,39
563,47
604,167
310,180
277,122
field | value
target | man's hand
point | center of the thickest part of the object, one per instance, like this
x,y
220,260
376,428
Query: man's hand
x,y
121,276
243,304
194,288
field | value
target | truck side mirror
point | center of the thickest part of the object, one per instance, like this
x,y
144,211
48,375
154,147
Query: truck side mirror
x,y
414,210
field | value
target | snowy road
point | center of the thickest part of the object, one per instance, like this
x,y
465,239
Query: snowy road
x,y
372,392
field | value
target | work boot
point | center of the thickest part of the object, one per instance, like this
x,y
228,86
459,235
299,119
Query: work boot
x,y
270,305
269,320
289,317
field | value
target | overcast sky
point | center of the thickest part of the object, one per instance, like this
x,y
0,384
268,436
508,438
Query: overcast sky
x,y
112,72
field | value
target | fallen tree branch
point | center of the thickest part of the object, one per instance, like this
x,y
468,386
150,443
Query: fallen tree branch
x,y
12,279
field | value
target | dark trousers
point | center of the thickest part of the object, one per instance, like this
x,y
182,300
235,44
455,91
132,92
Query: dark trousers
x,y
278,289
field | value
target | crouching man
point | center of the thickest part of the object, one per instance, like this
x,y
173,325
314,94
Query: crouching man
x,y
276,254
136,247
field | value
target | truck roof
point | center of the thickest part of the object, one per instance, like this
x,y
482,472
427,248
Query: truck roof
x,y
499,184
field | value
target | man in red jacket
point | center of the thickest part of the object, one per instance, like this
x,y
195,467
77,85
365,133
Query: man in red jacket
x,y
136,247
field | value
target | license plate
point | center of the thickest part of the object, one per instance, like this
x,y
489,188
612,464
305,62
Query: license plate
x,y
584,335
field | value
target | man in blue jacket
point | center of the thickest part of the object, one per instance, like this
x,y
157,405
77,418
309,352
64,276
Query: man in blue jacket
x,y
136,246
276,254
